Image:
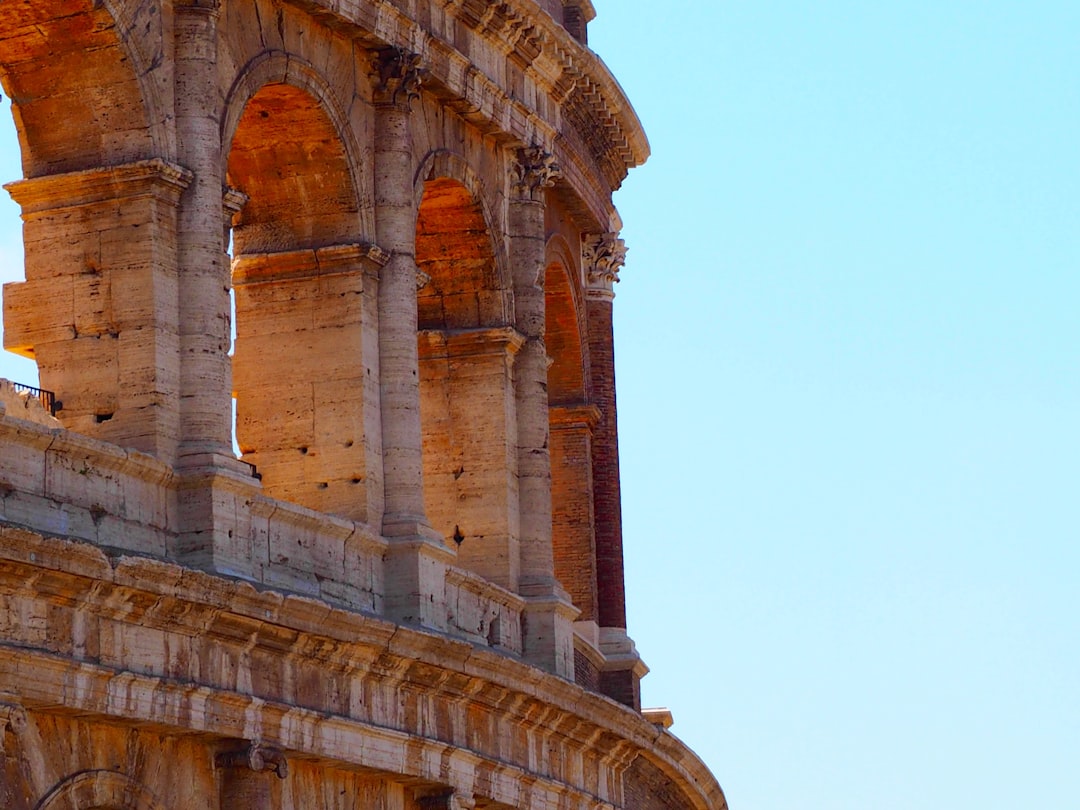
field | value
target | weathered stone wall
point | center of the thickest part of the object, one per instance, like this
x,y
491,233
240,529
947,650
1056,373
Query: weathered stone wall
x,y
408,589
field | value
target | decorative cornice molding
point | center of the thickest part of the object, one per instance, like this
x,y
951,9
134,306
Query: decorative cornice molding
x,y
534,169
154,176
602,256
398,76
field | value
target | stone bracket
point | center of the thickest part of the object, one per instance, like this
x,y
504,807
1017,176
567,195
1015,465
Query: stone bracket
x,y
256,757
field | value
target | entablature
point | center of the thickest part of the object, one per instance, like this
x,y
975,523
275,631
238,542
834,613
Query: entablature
x,y
566,86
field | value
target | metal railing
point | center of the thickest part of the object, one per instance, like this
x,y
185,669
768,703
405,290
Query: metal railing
x,y
46,398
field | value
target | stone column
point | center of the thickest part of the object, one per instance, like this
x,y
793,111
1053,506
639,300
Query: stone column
x,y
549,614
415,562
205,380
245,776
211,481
602,257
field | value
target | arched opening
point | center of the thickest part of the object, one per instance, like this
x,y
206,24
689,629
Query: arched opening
x,y
467,402
562,336
571,422
97,309
306,344
12,366
77,100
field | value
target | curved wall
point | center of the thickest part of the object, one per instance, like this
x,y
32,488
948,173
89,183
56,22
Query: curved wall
x,y
407,591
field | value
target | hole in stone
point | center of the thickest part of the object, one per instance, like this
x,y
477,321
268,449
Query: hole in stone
x,y
303,451
322,485
102,417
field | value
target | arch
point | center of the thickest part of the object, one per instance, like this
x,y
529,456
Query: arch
x,y
298,274
563,329
445,165
99,790
466,356
277,68
66,61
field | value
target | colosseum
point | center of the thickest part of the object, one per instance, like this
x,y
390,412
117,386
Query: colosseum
x,y
317,503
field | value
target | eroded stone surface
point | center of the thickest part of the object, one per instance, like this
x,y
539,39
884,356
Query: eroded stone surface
x,y
407,592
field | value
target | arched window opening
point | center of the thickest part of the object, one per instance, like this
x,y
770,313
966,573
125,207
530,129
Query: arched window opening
x,y
14,366
571,422
467,403
305,345
93,309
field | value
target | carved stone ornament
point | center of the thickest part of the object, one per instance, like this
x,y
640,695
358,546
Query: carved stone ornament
x,y
602,256
399,76
534,170
256,757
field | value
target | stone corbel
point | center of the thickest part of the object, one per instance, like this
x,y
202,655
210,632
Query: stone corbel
x,y
233,201
534,170
602,256
256,758
398,77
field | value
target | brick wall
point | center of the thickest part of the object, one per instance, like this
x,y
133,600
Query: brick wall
x,y
605,463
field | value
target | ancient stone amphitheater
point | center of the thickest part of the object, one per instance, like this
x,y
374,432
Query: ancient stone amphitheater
x,y
384,229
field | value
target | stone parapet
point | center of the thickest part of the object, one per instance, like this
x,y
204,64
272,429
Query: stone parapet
x,y
61,483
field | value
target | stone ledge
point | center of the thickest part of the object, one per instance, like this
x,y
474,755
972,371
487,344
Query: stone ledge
x,y
145,602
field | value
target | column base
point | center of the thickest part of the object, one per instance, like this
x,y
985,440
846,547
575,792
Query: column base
x,y
548,627
623,669
215,520
415,564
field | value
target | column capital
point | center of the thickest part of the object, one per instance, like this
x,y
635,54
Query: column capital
x,y
256,757
581,416
233,201
533,170
602,256
398,77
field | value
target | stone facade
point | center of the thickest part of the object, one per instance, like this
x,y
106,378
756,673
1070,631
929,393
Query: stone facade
x,y
407,592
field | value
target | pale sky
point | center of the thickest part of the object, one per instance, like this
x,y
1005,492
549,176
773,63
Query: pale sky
x,y
849,389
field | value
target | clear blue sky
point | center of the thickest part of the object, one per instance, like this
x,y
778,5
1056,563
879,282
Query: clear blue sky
x,y
849,391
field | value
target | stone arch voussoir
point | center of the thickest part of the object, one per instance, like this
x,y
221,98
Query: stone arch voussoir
x,y
279,67
99,790
83,94
443,164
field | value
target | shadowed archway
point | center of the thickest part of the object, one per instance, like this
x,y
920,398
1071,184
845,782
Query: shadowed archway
x,y
301,298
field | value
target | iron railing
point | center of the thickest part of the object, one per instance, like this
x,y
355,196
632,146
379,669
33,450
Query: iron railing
x,y
46,398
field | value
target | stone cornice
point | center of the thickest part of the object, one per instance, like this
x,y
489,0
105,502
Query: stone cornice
x,y
307,634
49,192
574,416
574,77
495,341
570,71
261,268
